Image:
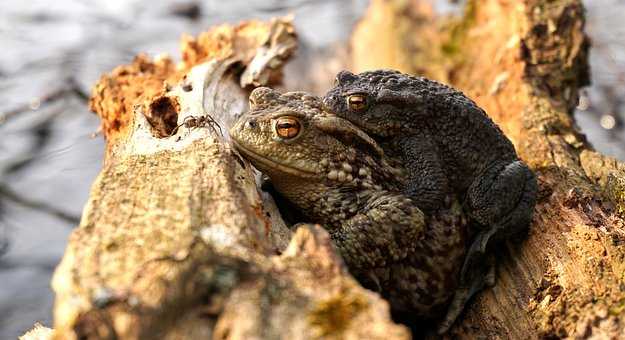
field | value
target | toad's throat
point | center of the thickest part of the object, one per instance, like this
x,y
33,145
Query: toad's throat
x,y
264,163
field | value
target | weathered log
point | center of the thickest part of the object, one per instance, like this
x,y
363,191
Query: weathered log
x,y
175,241
524,62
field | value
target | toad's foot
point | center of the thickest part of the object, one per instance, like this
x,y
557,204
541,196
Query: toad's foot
x,y
484,276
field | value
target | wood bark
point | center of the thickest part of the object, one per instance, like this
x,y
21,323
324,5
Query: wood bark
x,y
524,62
175,241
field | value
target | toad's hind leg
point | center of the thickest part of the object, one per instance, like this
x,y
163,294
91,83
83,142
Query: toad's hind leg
x,y
502,200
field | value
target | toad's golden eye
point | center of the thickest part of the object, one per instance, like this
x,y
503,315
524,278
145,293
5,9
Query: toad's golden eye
x,y
357,102
287,127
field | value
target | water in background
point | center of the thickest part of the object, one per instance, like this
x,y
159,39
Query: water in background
x,y
53,52
601,112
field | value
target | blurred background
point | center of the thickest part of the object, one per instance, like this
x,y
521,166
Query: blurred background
x,y
52,52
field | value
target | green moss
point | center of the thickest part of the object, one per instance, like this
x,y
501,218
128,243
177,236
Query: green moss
x,y
452,47
615,190
332,317
618,308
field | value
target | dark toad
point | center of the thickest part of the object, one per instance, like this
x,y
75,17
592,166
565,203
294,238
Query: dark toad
x,y
448,144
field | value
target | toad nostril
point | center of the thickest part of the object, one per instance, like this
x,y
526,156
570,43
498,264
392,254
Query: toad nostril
x,y
252,124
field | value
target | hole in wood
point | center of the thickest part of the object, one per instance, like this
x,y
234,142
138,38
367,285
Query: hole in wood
x,y
163,116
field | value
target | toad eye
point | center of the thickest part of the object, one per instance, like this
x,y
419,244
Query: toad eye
x,y
357,102
287,127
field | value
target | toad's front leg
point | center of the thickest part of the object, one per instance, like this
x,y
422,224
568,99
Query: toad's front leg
x,y
384,232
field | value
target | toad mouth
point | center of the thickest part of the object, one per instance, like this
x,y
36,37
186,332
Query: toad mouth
x,y
255,158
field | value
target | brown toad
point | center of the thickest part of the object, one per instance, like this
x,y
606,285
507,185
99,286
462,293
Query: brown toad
x,y
340,178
